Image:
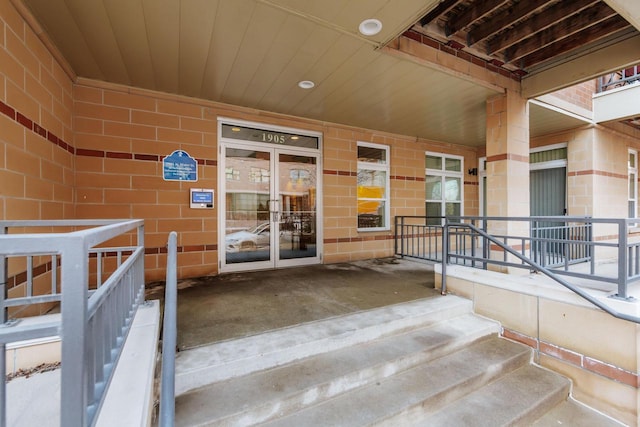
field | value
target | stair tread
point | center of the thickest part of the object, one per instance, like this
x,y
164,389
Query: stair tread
x,y
322,376
420,388
204,365
518,398
571,412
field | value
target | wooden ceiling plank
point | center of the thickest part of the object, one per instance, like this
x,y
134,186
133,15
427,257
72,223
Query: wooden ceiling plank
x,y
559,31
444,7
588,35
474,12
505,18
537,23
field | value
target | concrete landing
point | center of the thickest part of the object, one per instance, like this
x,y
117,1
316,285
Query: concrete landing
x,y
217,308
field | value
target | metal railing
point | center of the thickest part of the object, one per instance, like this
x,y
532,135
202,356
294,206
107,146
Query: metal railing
x,y
94,322
169,336
619,78
565,246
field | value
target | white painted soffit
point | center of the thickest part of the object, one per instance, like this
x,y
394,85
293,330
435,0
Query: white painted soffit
x,y
546,119
628,9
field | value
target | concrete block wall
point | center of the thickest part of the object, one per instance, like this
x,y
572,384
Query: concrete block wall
x,y
36,137
598,352
596,171
123,133
76,148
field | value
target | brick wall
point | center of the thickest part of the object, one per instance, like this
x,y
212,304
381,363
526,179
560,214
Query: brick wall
x,y
580,95
122,134
121,139
36,164
36,158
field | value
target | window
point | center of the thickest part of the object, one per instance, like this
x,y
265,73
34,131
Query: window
x,y
632,165
299,175
443,186
259,175
373,186
232,174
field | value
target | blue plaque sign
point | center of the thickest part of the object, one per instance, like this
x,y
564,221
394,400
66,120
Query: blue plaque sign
x,y
180,166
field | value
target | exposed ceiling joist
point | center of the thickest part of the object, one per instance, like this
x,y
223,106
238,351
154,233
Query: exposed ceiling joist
x,y
574,26
523,36
537,23
472,14
444,7
505,18
588,35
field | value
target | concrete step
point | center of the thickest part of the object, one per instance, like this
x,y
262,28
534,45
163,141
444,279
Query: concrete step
x,y
268,394
405,398
572,413
206,365
516,399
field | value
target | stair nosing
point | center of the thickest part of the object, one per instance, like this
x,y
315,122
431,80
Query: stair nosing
x,y
365,375
207,363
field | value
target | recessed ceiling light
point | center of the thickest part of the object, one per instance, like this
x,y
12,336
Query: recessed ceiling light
x,y
306,84
370,27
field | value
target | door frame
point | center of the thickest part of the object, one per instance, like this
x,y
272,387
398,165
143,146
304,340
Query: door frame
x,y
274,150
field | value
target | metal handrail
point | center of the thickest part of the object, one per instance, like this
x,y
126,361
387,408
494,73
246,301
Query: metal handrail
x,y
94,324
537,267
619,78
169,337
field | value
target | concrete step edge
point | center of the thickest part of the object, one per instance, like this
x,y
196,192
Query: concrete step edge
x,y
205,365
422,346
573,412
519,398
399,400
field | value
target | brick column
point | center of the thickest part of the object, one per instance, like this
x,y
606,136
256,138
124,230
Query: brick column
x,y
508,162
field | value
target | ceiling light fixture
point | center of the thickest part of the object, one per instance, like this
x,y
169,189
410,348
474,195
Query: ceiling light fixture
x,y
370,27
306,84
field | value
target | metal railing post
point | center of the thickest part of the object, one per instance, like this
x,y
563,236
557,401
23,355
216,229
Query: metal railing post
x,y
74,385
445,253
167,399
3,348
623,259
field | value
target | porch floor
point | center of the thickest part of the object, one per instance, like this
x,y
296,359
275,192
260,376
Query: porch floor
x,y
216,308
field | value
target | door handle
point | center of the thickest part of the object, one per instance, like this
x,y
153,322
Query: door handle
x,y
274,208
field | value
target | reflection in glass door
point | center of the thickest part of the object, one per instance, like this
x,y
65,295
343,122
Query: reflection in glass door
x,y
247,200
270,207
297,200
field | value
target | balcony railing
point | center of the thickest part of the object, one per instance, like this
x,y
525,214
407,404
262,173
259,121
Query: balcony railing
x,y
620,78
99,287
583,248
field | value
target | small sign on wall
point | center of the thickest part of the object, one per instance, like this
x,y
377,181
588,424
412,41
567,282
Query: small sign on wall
x,y
179,166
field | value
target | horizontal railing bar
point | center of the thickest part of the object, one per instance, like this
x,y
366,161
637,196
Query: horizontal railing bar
x,y
20,332
36,299
555,278
32,243
62,222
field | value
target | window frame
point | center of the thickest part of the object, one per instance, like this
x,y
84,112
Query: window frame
x,y
386,167
443,174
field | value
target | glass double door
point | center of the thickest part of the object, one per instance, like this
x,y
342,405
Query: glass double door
x,y
269,210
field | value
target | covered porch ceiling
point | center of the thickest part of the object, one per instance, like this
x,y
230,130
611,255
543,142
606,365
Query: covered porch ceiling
x,y
253,53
